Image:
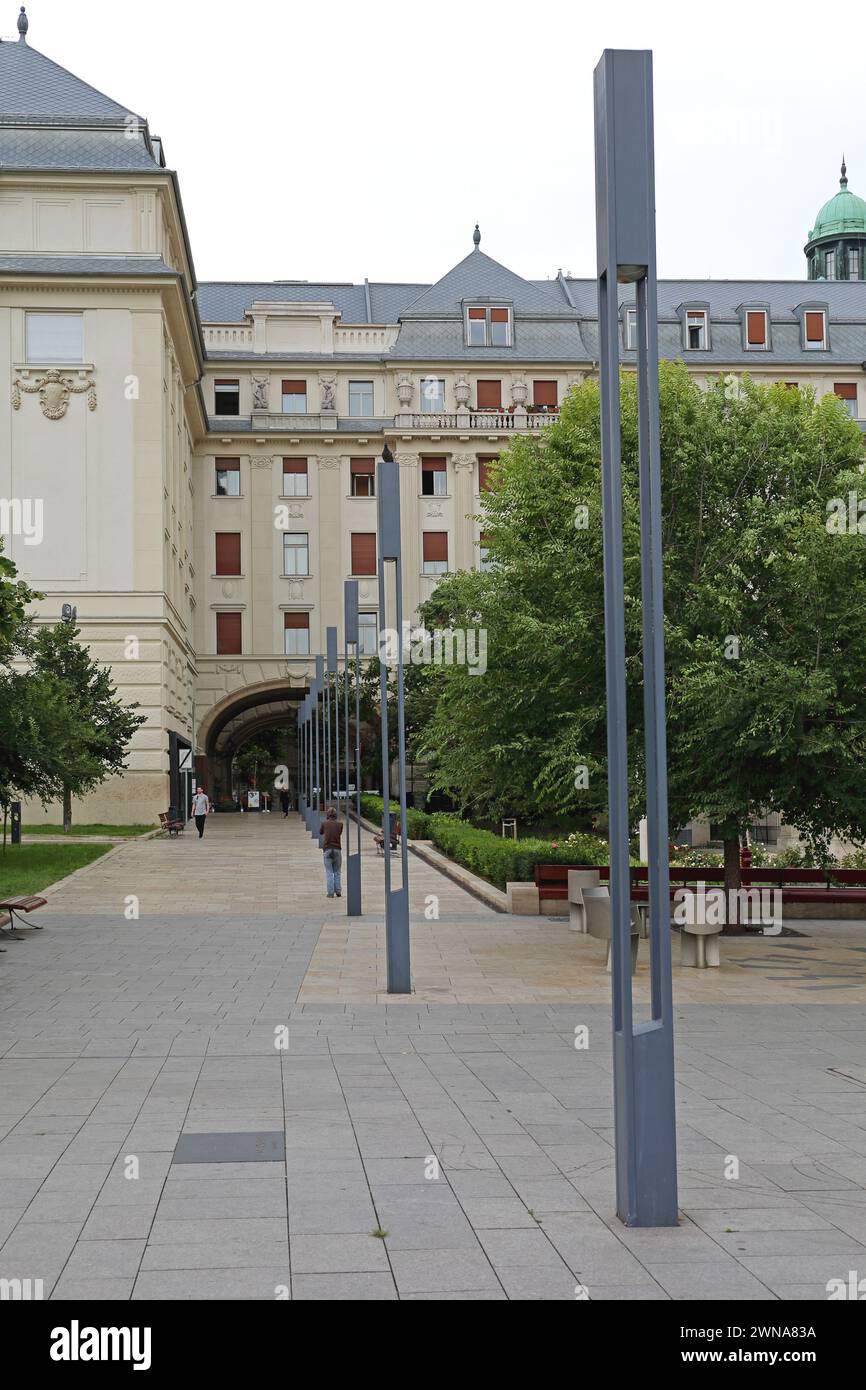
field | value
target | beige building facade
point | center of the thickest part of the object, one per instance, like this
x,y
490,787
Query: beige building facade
x,y
202,455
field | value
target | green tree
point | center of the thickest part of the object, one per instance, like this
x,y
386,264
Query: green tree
x,y
92,737
765,613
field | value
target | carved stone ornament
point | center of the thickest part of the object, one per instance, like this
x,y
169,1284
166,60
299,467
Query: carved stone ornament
x,y
328,388
405,389
265,461
328,461
54,389
296,589
518,391
228,670
434,510
408,460
462,392
296,511
463,463
260,393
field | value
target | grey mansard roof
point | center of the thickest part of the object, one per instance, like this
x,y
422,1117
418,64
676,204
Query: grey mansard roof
x,y
50,119
33,88
227,301
480,278
77,266
35,148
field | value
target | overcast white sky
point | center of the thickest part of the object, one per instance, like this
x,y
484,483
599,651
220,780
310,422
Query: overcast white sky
x,y
334,141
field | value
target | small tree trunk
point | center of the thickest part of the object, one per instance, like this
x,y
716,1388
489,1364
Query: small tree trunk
x,y
733,880
67,810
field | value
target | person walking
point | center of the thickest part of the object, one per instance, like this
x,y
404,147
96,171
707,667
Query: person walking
x,y
200,809
331,835
284,802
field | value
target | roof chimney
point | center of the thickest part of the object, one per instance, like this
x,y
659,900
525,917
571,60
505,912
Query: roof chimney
x,y
23,25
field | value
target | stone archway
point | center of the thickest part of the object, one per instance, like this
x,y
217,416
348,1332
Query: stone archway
x,y
236,720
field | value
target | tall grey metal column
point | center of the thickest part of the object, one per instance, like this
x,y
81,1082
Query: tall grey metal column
x,y
300,759
334,707
353,860
318,711
643,1053
396,899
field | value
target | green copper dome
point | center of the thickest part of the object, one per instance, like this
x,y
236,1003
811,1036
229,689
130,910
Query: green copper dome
x,y
845,212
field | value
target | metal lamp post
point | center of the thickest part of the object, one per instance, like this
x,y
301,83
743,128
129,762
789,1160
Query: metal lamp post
x,y
351,639
333,704
643,1054
396,899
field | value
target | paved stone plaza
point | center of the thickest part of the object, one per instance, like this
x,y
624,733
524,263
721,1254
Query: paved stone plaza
x,y
117,1036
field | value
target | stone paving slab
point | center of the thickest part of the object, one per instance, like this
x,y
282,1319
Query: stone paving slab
x,y
452,1145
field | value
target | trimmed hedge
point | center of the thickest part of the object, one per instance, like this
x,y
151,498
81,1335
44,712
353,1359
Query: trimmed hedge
x,y
417,822
490,856
504,861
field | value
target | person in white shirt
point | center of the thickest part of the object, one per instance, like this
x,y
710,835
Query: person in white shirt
x,y
200,809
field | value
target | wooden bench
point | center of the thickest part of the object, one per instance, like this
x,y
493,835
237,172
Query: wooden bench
x,y
173,826
22,906
379,840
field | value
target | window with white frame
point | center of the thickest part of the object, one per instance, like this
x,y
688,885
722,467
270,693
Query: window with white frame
x,y
361,399
368,634
434,477
488,327
297,629
296,553
54,337
815,330
228,477
847,393
432,395
294,395
295,478
696,330
756,330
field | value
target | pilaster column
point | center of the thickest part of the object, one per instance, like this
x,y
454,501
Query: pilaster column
x,y
464,524
262,552
331,561
410,532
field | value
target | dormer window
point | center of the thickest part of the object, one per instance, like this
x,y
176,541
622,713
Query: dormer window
x,y
756,330
815,330
696,330
488,327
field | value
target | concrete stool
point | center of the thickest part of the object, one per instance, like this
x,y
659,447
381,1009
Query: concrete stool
x,y
596,902
699,944
578,879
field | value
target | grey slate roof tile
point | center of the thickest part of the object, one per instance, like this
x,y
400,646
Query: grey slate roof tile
x,y
84,265
227,301
32,147
32,86
478,276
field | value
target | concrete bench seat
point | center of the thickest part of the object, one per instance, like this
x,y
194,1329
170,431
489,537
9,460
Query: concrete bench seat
x,y
596,902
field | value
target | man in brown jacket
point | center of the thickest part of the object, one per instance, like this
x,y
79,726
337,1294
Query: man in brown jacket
x,y
331,835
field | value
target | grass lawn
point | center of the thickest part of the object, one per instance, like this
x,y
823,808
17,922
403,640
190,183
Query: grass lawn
x,y
116,830
30,868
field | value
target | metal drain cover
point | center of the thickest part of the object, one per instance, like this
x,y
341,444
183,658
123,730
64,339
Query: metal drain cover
x,y
251,1146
